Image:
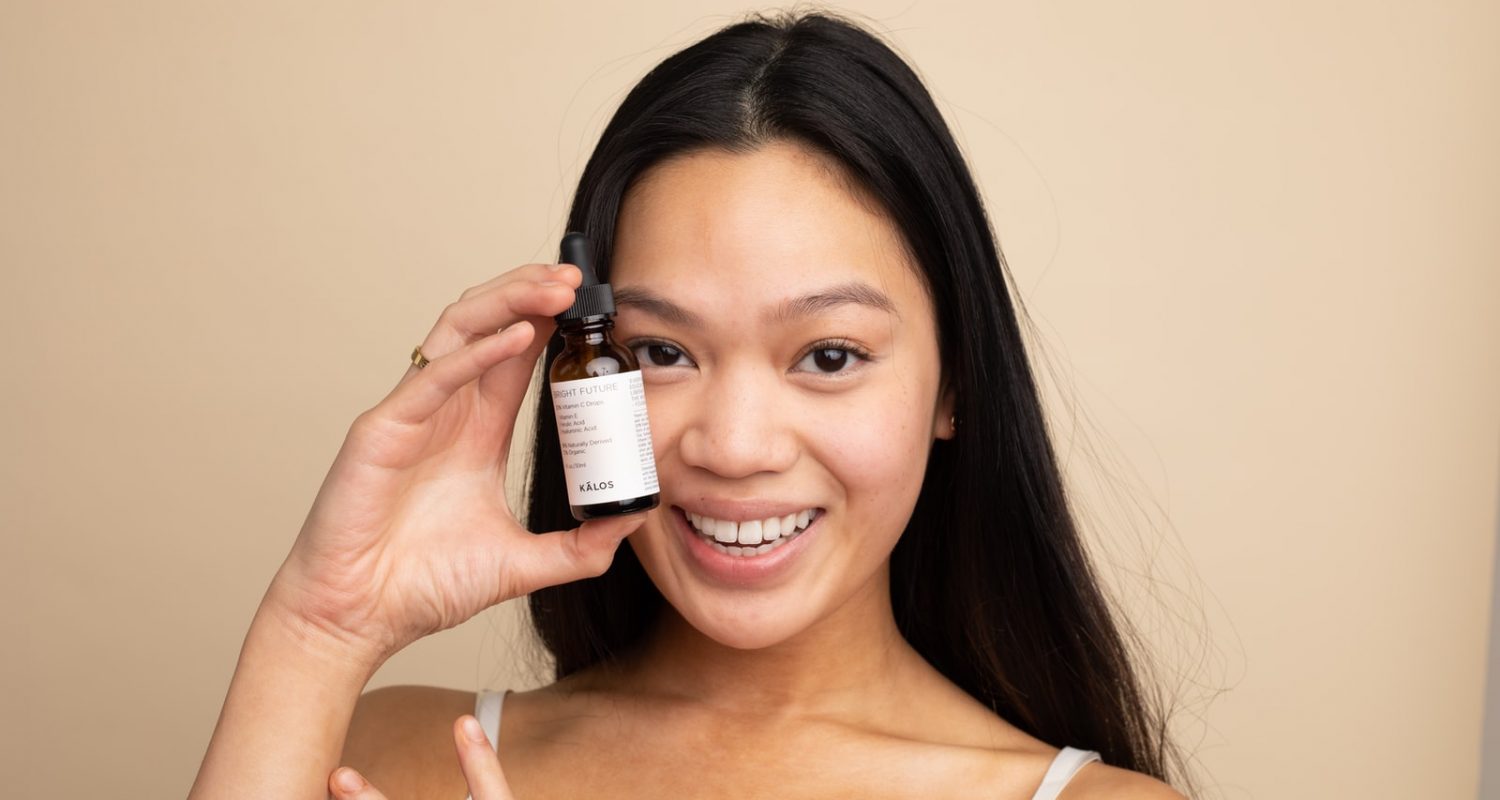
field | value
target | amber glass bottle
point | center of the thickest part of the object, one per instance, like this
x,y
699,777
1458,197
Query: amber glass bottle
x,y
600,403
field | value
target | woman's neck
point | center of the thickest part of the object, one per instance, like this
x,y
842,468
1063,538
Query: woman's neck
x,y
853,663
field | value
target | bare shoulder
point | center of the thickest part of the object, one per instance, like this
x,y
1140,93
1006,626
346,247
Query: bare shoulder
x,y
1098,781
401,738
1011,763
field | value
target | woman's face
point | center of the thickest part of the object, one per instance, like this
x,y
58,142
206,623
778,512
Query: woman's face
x,y
791,364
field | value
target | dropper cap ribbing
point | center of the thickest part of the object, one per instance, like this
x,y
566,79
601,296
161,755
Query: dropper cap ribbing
x,y
591,298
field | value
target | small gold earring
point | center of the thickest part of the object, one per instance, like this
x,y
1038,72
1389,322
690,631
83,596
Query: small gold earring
x,y
953,423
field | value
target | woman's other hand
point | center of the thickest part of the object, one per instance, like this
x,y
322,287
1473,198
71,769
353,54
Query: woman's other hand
x,y
476,756
411,532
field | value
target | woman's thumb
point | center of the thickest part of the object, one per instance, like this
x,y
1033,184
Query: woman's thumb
x,y
549,559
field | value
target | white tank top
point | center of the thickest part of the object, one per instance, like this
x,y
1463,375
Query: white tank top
x,y
488,705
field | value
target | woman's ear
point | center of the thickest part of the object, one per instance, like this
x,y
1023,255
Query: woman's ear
x,y
944,424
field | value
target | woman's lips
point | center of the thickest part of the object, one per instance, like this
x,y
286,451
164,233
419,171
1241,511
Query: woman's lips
x,y
742,571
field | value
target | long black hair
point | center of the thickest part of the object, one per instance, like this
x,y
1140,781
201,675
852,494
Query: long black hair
x,y
989,581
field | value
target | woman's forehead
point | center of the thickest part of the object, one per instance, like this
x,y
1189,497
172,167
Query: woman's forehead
x,y
761,226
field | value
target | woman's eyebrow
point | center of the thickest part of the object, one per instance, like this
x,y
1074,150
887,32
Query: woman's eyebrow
x,y
851,292
657,306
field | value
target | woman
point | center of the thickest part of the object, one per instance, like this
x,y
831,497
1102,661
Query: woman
x,y
804,269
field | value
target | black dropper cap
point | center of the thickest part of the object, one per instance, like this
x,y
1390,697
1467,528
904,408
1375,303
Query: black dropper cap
x,y
591,298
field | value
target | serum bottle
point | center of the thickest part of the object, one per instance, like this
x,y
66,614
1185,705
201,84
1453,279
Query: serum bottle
x,y
600,403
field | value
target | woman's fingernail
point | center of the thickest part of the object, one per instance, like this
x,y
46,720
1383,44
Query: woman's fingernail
x,y
472,729
349,780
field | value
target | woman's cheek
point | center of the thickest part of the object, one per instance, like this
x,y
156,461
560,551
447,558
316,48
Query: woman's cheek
x,y
875,444
664,412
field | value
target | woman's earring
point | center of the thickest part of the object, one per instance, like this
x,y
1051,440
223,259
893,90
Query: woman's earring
x,y
953,424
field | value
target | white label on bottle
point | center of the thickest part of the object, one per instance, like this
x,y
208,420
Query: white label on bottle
x,y
605,437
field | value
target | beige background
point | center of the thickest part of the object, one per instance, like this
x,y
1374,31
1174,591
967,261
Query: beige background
x,y
1257,241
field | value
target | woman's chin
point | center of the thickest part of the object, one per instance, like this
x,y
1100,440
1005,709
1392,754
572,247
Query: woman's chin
x,y
742,627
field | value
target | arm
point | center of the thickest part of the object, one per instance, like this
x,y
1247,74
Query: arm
x,y
405,538
287,711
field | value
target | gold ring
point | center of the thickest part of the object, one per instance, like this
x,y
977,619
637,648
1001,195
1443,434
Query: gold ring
x,y
417,359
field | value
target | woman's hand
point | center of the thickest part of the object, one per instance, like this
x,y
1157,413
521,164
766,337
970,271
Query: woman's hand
x,y
411,532
477,758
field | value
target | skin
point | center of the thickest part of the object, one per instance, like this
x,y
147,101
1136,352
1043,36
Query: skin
x,y
743,412
806,681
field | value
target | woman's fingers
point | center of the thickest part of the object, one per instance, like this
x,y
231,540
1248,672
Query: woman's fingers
x,y
476,757
480,762
506,383
346,784
531,272
549,559
412,402
487,312
534,290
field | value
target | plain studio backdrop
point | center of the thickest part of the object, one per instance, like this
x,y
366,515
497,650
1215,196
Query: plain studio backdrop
x,y
1257,243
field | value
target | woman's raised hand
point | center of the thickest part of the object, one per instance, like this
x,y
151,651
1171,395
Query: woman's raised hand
x,y
411,532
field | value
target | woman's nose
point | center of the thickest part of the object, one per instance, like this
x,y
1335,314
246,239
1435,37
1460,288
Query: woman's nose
x,y
742,423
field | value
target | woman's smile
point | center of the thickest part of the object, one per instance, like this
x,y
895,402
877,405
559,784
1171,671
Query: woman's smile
x,y
751,537
755,565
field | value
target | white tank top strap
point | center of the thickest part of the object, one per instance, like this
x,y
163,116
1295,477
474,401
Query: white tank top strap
x,y
487,708
1067,762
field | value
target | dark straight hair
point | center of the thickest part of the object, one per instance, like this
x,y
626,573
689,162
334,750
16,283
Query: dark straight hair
x,y
989,581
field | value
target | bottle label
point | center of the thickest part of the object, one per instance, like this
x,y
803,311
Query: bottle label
x,y
606,438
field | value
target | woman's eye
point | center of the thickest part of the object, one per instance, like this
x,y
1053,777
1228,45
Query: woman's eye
x,y
658,354
831,360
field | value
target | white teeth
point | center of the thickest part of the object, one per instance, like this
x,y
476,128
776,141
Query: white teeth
x,y
751,537
771,528
736,550
750,532
724,530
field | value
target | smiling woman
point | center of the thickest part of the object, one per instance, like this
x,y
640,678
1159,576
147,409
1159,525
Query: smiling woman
x,y
797,389
807,274
862,578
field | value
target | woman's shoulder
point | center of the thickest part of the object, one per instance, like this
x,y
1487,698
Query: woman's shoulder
x,y
401,738
1100,781
1011,772
1015,761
